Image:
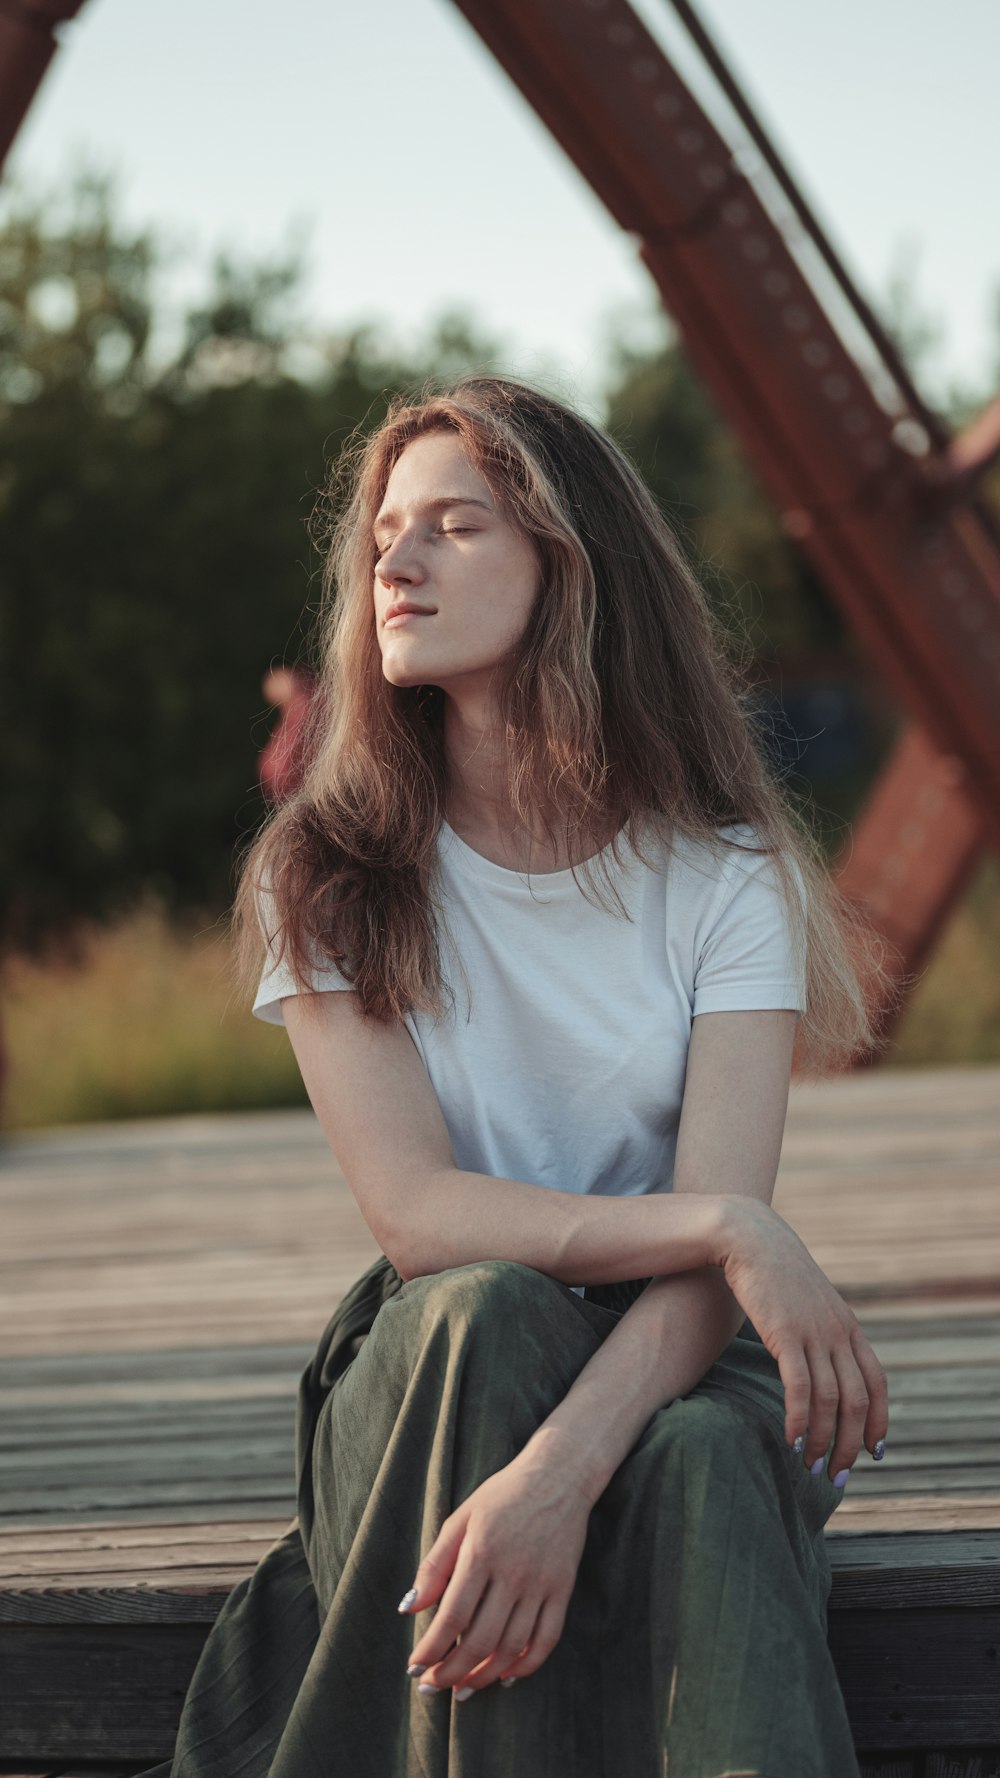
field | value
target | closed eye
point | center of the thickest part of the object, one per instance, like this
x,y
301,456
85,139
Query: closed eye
x,y
381,549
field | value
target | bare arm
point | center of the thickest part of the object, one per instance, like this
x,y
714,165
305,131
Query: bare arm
x,y
380,1114
732,1120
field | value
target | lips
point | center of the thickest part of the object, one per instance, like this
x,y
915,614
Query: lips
x,y
405,609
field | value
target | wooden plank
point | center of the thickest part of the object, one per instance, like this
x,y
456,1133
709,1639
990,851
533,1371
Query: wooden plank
x,y
151,1512
271,1493
912,1512
160,1535
121,1685
98,1688
890,1766
872,1572
923,1679
199,1260
275,1358
959,1764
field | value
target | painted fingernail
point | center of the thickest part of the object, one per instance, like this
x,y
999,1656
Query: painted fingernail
x,y
815,1468
841,1477
428,1688
407,1600
464,1692
511,1681
878,1449
799,1442
415,1671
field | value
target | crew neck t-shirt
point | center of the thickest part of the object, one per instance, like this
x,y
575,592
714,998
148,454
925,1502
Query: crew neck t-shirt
x,y
563,1060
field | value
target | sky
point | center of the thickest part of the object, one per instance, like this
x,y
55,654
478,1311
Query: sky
x,y
384,142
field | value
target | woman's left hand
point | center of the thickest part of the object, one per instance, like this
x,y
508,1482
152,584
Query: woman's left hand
x,y
503,1566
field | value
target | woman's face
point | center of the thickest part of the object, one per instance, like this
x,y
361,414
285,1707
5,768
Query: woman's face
x,y
444,545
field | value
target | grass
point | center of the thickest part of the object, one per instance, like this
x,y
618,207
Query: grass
x,y
147,1022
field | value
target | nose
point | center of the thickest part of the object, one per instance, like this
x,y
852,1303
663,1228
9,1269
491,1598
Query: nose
x,y
398,565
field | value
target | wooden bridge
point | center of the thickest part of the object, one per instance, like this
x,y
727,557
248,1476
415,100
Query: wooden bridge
x,y
166,1283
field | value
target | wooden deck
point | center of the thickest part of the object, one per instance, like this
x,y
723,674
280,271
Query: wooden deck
x,y
165,1283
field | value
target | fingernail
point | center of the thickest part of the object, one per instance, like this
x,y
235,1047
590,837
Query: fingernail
x,y
799,1442
428,1688
407,1600
511,1681
878,1449
841,1477
464,1692
815,1468
415,1671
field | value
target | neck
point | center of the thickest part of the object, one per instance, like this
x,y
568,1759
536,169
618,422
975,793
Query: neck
x,y
477,793
479,809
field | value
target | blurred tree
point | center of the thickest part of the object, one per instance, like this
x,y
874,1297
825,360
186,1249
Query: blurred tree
x,y
695,466
155,558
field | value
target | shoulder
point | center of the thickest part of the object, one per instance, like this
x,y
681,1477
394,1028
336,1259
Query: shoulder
x,y
727,874
704,864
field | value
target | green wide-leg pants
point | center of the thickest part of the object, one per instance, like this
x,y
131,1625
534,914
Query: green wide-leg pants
x,y
694,1644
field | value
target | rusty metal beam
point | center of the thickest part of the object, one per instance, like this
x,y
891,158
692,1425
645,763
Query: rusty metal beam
x,y
851,456
912,853
923,594
27,45
870,321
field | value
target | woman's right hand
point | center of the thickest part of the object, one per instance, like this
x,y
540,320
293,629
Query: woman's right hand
x,y
829,1370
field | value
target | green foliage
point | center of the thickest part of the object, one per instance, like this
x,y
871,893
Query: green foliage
x,y
142,1021
155,558
694,464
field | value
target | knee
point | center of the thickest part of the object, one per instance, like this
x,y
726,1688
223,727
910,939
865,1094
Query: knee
x,y
698,1429
498,1290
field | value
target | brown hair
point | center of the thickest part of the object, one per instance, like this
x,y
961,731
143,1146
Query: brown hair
x,y
620,703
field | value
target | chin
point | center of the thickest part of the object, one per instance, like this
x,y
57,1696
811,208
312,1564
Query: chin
x,y
397,675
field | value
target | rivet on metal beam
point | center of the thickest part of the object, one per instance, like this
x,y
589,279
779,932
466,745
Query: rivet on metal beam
x,y
911,436
795,317
776,283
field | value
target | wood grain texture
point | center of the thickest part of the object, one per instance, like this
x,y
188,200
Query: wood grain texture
x,y
164,1284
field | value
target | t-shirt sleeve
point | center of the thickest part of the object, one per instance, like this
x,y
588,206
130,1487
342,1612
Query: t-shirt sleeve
x,y
277,981
748,960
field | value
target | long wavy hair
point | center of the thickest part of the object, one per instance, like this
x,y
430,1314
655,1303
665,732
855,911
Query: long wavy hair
x,y
623,705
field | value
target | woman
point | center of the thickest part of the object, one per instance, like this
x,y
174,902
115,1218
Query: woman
x,y
593,1405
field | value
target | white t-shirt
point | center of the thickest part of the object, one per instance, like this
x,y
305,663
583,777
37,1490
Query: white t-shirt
x,y
566,1066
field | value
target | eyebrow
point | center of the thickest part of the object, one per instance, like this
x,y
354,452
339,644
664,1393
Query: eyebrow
x,y
443,500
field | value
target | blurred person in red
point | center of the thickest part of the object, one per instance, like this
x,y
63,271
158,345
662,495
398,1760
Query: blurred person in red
x,y
281,760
